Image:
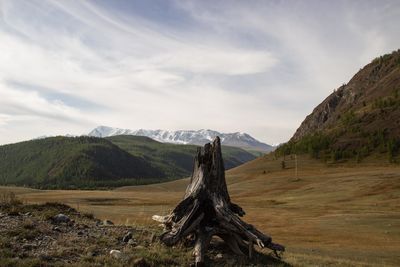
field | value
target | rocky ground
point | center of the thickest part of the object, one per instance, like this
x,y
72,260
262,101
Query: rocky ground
x,y
57,235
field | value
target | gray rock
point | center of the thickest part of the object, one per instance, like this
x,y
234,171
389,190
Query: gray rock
x,y
61,218
127,237
108,223
116,254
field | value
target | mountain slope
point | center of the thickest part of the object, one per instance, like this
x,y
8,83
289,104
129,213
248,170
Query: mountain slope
x,y
199,137
62,162
91,162
359,118
175,160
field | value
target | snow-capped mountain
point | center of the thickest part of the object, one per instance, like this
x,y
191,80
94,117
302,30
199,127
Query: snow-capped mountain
x,y
199,137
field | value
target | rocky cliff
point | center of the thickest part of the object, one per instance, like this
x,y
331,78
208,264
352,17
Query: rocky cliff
x,y
369,101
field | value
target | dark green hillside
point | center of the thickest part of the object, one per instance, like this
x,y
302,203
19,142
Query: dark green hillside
x,y
175,160
234,156
91,162
358,120
63,162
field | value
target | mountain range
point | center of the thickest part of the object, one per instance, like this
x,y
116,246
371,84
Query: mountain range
x,y
199,137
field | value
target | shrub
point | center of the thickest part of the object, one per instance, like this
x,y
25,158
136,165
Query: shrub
x,y
9,198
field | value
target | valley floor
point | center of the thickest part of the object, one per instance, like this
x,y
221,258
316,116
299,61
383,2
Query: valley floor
x,y
327,215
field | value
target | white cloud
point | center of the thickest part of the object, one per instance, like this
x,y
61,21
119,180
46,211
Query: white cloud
x,y
4,119
31,103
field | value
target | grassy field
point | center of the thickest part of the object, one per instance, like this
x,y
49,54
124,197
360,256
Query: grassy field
x,y
341,215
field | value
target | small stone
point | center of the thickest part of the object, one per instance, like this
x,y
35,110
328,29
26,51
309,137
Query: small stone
x,y
116,254
219,256
57,229
107,223
127,237
61,218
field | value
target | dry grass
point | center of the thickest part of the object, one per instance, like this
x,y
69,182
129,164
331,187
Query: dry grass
x,y
340,215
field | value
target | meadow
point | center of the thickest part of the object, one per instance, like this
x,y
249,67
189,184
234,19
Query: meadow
x,y
326,215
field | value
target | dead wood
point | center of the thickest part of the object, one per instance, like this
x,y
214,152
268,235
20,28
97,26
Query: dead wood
x,y
206,210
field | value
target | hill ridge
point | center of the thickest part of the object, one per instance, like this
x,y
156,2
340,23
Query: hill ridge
x,y
92,162
358,119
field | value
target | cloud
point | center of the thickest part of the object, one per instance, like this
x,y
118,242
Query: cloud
x,y
256,67
4,119
17,103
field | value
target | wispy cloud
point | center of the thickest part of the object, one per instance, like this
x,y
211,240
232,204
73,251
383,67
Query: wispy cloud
x,y
257,66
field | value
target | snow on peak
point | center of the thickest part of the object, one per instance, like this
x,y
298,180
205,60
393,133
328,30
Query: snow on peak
x,y
195,137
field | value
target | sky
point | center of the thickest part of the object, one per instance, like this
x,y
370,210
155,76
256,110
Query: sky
x,y
252,66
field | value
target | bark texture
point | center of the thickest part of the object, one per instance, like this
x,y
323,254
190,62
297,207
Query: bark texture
x,y
206,210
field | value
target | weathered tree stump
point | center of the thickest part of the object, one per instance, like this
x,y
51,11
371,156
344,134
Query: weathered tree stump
x,y
207,211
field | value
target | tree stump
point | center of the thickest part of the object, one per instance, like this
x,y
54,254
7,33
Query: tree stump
x,y
207,211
